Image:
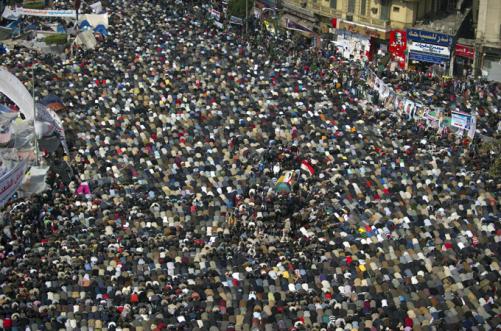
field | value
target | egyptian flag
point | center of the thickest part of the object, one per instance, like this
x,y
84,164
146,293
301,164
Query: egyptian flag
x,y
306,167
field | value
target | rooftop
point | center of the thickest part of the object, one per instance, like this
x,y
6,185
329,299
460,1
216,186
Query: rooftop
x,y
448,24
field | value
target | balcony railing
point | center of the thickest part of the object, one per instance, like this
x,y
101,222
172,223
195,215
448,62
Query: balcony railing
x,y
309,8
372,21
298,6
325,11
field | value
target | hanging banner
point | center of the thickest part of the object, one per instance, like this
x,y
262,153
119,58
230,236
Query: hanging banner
x,y
44,12
398,46
11,181
17,92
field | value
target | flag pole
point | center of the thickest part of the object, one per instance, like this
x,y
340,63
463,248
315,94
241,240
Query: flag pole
x,y
37,151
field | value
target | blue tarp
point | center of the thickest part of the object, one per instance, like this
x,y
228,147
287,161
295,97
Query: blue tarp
x,y
85,25
50,99
32,26
60,29
13,25
3,50
4,108
101,29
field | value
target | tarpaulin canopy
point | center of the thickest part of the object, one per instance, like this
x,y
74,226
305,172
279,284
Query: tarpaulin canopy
x,y
17,92
86,39
96,19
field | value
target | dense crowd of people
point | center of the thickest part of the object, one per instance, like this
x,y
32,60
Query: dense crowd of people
x,y
178,132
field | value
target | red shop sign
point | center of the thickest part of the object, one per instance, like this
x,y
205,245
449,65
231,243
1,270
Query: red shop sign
x,y
465,51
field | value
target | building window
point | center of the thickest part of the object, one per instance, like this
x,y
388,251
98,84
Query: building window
x,y
333,4
351,6
363,7
385,12
396,9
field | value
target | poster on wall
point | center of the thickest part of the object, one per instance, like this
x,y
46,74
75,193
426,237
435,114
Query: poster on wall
x,y
353,46
398,46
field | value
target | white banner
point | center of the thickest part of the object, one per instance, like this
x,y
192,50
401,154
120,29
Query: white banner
x,y
429,48
460,120
11,181
47,12
17,92
15,13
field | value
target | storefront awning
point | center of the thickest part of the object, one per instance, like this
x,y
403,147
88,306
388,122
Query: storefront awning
x,y
294,23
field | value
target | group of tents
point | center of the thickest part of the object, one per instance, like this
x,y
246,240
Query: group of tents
x,y
67,24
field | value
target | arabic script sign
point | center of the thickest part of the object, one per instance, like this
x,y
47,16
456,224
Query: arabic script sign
x,y
429,48
428,37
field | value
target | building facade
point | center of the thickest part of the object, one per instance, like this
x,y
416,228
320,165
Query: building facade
x,y
488,38
366,28
363,28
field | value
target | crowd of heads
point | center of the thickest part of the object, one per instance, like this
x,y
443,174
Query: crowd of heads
x,y
180,130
